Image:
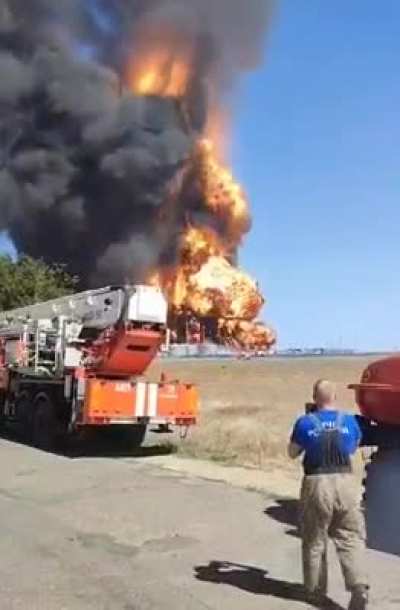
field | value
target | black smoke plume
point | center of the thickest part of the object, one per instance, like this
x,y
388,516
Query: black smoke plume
x,y
86,168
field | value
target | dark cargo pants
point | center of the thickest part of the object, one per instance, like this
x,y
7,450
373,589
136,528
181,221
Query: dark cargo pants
x,y
330,507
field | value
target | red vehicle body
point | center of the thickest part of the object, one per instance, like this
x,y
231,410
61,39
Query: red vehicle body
x,y
378,393
378,398
77,363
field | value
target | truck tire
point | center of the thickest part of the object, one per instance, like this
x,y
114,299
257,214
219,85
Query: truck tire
x,y
2,415
134,436
24,415
382,501
44,425
126,438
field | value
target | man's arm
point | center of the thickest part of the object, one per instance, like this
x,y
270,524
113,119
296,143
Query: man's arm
x,y
295,445
294,450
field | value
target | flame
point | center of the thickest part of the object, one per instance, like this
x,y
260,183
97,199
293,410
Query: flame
x,y
159,75
222,290
217,132
161,64
208,285
205,282
247,335
224,196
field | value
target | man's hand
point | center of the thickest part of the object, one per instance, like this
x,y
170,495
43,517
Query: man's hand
x,y
294,450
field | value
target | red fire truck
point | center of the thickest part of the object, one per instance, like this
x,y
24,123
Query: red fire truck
x,y
76,363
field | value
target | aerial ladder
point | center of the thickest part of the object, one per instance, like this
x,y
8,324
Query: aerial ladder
x,y
76,363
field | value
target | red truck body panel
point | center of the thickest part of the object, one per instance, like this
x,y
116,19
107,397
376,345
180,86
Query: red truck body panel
x,y
378,393
123,402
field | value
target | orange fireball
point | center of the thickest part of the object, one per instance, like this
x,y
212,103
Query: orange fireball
x,y
222,290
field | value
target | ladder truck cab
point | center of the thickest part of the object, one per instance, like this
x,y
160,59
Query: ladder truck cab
x,y
378,398
76,363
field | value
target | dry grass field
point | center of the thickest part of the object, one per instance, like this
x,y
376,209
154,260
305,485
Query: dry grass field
x,y
248,407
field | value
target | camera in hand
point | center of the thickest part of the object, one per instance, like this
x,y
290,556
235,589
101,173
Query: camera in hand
x,y
310,407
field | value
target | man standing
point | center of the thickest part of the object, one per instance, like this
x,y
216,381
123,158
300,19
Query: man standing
x,y
328,437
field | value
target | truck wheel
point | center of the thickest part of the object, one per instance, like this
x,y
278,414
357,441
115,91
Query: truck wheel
x,y
124,437
134,436
2,416
24,414
44,427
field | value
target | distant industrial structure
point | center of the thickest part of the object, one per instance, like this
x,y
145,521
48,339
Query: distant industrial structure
x,y
316,351
210,349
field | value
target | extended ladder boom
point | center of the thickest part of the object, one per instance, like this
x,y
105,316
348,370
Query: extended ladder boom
x,y
99,309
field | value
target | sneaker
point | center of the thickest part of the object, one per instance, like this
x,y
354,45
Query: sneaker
x,y
359,598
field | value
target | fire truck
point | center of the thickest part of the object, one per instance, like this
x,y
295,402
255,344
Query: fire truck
x,y
378,398
75,364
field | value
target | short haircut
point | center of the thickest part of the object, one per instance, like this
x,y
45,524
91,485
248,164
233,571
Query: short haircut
x,y
324,391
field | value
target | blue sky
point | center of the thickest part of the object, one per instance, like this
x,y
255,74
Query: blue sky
x,y
317,144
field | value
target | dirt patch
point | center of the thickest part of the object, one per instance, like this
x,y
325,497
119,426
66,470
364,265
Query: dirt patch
x,y
248,408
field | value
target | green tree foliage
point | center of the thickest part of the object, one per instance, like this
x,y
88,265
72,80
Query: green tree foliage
x,y
28,281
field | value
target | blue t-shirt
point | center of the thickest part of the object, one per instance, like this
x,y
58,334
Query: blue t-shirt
x,y
306,433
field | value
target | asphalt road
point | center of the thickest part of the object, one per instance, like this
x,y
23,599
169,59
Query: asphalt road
x,y
124,534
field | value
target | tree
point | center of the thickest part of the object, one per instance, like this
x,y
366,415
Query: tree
x,y
28,281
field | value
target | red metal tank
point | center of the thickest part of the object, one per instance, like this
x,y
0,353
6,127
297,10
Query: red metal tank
x,y
378,393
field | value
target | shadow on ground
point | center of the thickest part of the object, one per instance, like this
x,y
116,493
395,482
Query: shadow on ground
x,y
95,447
103,450
255,580
286,512
379,536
